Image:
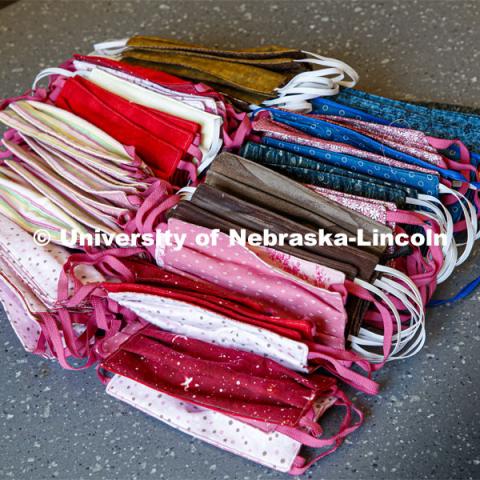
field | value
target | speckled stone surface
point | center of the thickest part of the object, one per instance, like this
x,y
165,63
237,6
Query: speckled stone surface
x,y
425,423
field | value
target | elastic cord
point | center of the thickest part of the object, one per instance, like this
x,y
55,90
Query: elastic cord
x,y
47,72
305,86
463,293
111,47
471,223
387,337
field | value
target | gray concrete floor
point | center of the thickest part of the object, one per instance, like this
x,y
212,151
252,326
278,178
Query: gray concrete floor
x,y
425,423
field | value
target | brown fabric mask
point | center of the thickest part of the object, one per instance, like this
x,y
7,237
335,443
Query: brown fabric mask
x,y
257,219
263,187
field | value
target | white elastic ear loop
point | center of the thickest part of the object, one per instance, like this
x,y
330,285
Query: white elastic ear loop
x,y
444,219
417,312
408,294
471,223
449,249
411,293
327,78
308,90
47,72
111,47
449,264
294,103
299,102
333,62
450,256
403,337
449,252
413,337
392,272
471,207
389,288
365,336
308,85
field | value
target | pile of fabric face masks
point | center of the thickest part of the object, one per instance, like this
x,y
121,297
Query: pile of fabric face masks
x,y
243,345
270,74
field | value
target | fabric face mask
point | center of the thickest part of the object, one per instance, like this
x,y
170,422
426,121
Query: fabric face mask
x,y
152,290
310,171
156,137
230,381
75,132
230,208
453,152
439,265
235,170
163,83
38,266
84,207
228,433
295,166
150,274
82,215
156,77
330,131
463,161
91,211
250,75
222,266
234,185
91,181
412,142
183,318
210,141
158,87
438,122
344,183
375,209
269,128
20,305
174,261
152,280
31,210
190,213
74,144
454,197
283,195
235,125
424,183
388,214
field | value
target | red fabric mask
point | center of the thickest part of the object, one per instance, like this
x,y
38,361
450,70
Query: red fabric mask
x,y
292,328
155,281
237,383
160,139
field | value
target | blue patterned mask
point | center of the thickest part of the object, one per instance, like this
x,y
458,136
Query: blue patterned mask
x,y
322,129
